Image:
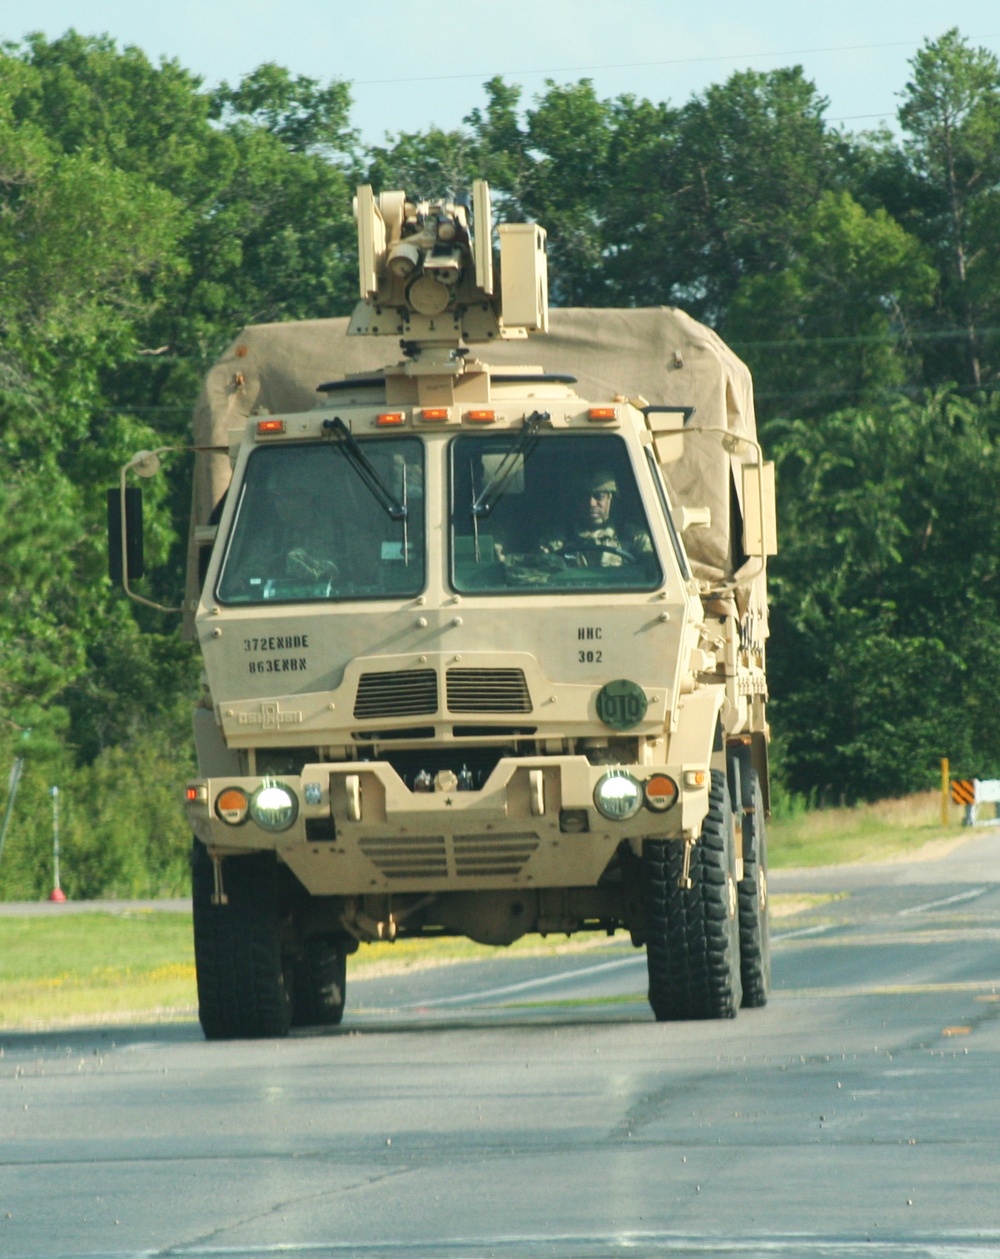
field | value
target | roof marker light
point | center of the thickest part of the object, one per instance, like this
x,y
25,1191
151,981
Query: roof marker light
x,y
390,419
435,414
481,417
602,413
264,427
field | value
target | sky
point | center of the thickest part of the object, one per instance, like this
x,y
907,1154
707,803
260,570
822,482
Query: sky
x,y
414,64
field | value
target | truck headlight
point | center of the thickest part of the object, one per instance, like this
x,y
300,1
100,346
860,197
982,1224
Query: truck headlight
x,y
273,807
618,796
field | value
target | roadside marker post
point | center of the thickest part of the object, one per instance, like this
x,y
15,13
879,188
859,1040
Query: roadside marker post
x,y
57,894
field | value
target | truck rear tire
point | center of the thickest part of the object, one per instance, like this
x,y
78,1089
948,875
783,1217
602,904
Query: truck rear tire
x,y
755,938
320,983
242,993
692,934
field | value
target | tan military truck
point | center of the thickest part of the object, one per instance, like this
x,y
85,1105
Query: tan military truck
x,y
483,641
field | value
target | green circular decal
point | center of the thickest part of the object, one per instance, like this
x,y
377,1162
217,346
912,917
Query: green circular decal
x,y
621,704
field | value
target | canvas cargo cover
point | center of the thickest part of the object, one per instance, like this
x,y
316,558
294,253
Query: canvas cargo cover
x,y
658,353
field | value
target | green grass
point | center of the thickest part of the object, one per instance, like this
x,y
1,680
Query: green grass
x,y
867,832
93,967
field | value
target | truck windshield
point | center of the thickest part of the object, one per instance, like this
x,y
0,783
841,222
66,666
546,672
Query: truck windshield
x,y
308,527
570,518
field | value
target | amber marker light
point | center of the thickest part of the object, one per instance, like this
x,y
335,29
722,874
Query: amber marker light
x,y
602,413
232,805
695,778
266,427
390,419
435,414
481,417
660,792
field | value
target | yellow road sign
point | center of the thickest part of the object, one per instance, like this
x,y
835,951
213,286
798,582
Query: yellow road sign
x,y
963,790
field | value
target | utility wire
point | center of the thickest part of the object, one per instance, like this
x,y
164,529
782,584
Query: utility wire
x,y
647,65
955,334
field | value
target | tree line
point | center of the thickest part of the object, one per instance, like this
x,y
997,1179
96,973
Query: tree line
x,y
144,218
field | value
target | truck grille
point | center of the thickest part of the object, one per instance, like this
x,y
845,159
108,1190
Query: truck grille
x,y
438,856
487,691
492,854
401,694
415,857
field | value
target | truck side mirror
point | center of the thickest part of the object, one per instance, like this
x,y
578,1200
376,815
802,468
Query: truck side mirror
x,y
667,426
760,529
132,543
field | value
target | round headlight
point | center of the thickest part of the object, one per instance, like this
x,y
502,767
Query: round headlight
x,y
273,807
618,796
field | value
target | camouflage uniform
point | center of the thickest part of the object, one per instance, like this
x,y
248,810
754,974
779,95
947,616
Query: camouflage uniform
x,y
600,543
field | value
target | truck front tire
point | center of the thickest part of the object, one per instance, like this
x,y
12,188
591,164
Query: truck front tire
x,y
242,990
692,934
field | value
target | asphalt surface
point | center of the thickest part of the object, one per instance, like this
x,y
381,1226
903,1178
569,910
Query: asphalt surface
x,y
531,1107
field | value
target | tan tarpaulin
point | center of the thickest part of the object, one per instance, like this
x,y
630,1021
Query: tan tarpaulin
x,y
659,353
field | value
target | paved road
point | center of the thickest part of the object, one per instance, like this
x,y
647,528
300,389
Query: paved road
x,y
531,1107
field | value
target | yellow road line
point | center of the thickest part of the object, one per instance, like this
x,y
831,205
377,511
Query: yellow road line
x,y
956,935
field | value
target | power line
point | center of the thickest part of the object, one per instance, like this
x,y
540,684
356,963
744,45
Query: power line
x,y
856,117
648,65
887,338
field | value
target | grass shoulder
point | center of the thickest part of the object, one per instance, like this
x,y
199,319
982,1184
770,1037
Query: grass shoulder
x,y
909,828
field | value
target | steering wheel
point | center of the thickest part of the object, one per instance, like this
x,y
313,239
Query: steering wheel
x,y
581,554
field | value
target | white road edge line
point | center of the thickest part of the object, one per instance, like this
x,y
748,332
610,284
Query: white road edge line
x,y
803,931
541,982
948,900
952,1245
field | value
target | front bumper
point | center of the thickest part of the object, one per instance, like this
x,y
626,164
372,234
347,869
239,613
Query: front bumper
x,y
533,824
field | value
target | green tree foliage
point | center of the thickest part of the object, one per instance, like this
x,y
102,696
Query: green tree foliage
x,y
951,113
736,173
834,325
142,222
887,594
121,831
145,218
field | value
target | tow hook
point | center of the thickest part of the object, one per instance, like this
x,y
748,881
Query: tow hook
x,y
219,896
684,881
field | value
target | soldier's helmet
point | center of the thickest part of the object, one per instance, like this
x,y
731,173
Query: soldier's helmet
x,y
602,481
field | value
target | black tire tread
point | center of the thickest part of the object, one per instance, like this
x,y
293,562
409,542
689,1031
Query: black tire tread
x,y
242,992
691,944
755,943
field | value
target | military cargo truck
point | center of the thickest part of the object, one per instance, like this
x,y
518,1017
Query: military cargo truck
x,y
483,626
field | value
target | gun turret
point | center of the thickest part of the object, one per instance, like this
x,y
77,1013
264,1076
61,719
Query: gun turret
x,y
426,271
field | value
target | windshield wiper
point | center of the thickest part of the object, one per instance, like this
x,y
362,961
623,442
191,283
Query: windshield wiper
x,y
527,440
358,460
